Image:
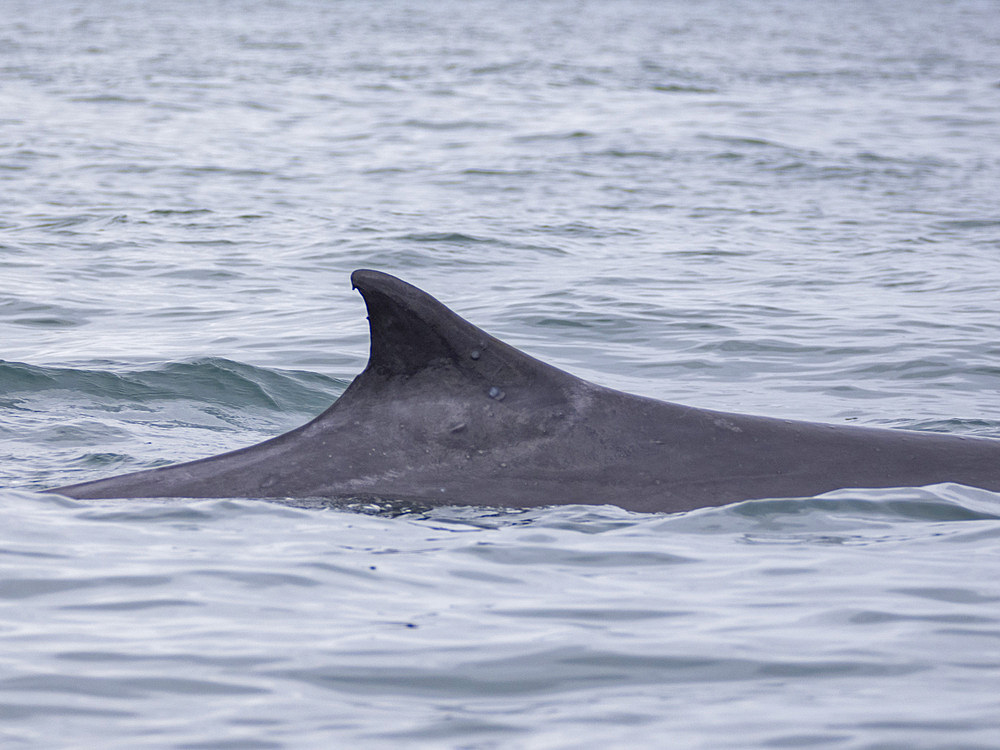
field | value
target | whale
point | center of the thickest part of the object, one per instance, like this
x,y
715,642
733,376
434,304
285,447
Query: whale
x,y
446,414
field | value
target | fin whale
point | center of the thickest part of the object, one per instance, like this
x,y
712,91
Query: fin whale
x,y
445,414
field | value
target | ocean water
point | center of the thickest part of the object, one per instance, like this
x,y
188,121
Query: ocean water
x,y
762,206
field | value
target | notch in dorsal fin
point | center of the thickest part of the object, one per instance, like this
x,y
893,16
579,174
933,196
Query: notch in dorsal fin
x,y
411,332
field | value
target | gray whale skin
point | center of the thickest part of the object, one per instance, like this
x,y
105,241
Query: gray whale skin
x,y
445,414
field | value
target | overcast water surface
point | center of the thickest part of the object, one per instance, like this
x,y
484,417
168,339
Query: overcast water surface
x,y
761,206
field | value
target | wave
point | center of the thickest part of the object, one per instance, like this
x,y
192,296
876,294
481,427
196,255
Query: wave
x,y
849,516
208,380
66,424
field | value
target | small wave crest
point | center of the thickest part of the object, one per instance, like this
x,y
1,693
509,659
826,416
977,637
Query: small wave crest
x,y
209,380
848,516
72,423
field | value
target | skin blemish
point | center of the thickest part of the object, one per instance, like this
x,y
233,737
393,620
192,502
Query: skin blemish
x,y
726,424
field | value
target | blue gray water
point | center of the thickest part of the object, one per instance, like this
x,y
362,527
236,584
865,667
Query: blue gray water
x,y
763,206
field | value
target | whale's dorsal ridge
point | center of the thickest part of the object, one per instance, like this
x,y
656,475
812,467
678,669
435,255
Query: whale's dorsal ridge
x,y
411,332
446,414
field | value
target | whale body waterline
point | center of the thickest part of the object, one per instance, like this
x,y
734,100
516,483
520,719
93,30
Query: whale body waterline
x,y
445,414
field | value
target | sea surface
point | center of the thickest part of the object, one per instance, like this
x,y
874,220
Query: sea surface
x,y
763,206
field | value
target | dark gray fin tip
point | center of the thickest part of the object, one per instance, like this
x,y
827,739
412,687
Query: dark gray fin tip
x,y
411,331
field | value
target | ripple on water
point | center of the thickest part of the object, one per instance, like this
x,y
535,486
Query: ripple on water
x,y
797,222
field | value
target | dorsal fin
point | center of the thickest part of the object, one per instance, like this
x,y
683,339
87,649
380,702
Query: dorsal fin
x,y
412,332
